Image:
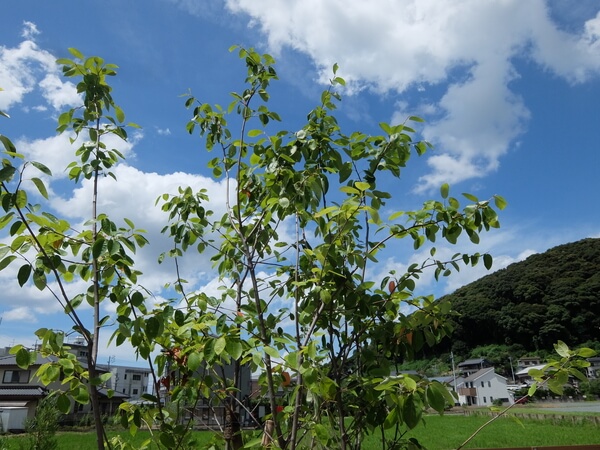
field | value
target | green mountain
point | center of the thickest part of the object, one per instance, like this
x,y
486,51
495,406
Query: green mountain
x,y
533,303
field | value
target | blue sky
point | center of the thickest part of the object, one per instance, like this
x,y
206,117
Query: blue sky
x,y
510,92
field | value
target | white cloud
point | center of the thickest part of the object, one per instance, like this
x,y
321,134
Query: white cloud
x,y
26,68
57,152
59,93
134,197
574,57
407,46
163,131
30,30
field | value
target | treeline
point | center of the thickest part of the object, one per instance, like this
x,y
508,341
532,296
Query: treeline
x,y
532,304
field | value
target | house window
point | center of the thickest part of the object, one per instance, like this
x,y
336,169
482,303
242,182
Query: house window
x,y
484,400
82,353
135,391
491,399
16,376
482,384
125,376
136,377
489,384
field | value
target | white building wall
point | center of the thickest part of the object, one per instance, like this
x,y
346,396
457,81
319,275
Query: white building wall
x,y
491,386
131,381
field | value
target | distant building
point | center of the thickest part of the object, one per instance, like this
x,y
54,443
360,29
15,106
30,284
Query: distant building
x,y
593,371
523,376
20,389
130,381
470,366
483,387
528,362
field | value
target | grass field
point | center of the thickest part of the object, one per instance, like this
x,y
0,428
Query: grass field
x,y
438,433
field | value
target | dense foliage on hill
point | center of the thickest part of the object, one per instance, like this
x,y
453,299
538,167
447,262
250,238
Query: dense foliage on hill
x,y
532,304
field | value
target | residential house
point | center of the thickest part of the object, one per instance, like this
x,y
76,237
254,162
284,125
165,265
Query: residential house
x,y
21,390
470,366
483,387
523,377
527,362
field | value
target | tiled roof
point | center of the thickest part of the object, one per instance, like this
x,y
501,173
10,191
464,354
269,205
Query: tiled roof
x,y
472,362
11,360
21,392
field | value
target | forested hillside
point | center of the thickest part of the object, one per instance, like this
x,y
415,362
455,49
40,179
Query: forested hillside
x,y
549,296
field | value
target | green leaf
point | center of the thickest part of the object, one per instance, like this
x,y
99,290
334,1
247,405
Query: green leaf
x,y
76,53
586,352
435,397
349,190
272,352
39,279
63,403
152,325
471,197
256,442
444,190
120,114
254,133
362,186
487,261
500,202
42,168
220,345
194,361
81,395
321,433
234,348
562,349
97,248
6,173
8,145
21,199
532,389
411,412
23,275
39,184
23,358
6,261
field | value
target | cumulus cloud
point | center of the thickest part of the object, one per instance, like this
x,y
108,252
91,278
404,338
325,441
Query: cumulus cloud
x,y
405,47
26,68
134,197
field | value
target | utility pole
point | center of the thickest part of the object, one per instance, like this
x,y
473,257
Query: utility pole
x,y
512,370
453,372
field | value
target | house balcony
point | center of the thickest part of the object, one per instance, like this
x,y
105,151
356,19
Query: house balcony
x,y
468,392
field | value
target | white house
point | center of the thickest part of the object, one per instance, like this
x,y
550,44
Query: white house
x,y
483,387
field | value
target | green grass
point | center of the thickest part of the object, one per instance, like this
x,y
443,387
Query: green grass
x,y
438,433
448,432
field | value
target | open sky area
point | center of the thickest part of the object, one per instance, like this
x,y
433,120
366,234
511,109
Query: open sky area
x,y
509,90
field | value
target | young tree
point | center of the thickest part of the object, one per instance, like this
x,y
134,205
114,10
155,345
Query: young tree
x,y
52,254
302,228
